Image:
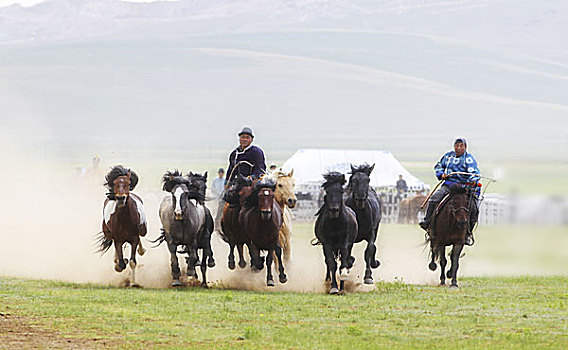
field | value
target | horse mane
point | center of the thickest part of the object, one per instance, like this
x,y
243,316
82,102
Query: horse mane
x,y
232,197
333,177
457,189
196,193
171,179
117,171
251,201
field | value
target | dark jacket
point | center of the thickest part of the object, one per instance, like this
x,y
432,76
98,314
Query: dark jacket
x,y
251,154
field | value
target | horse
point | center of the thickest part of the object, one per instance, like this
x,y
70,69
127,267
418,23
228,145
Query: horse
x,y
364,201
124,219
408,209
261,217
449,228
336,229
183,219
232,231
198,186
286,199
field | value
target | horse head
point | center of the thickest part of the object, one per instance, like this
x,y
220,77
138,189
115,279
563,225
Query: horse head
x,y
459,205
197,186
333,187
262,196
359,183
120,181
284,193
178,186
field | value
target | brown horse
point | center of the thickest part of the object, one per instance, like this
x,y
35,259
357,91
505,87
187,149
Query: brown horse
x,y
449,227
408,209
232,231
286,199
124,218
261,217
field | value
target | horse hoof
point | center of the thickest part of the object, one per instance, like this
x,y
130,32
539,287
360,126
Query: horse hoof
x,y
141,251
442,283
211,263
454,286
375,264
242,264
432,266
136,285
333,291
368,280
119,268
328,279
449,274
232,265
270,283
132,264
176,283
283,279
344,275
204,285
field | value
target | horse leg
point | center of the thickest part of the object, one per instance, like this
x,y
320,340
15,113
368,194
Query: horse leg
x,y
281,275
175,265
456,251
203,267
133,262
269,277
119,262
210,259
231,256
331,268
141,249
242,261
257,263
370,261
192,260
345,257
443,262
432,266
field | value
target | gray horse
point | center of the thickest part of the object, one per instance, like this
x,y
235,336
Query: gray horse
x,y
184,219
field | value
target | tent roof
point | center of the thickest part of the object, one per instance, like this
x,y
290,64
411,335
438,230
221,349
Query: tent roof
x,y
310,163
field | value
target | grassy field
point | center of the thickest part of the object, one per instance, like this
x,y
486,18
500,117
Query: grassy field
x,y
486,312
523,312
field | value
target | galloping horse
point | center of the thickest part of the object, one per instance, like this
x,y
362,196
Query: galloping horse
x,y
197,190
261,217
449,227
286,199
336,230
124,218
183,218
232,231
363,200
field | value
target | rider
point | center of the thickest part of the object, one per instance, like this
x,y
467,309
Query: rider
x,y
247,159
458,160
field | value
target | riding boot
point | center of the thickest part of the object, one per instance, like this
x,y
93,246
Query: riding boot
x,y
425,223
469,236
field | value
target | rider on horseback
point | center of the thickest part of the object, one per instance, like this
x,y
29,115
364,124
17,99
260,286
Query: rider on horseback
x,y
457,160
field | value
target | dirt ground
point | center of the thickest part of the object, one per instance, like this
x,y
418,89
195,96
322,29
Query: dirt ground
x,y
17,332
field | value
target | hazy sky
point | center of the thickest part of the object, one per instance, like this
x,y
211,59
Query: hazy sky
x,y
33,2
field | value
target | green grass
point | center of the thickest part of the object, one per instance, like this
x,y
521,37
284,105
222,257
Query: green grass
x,y
523,312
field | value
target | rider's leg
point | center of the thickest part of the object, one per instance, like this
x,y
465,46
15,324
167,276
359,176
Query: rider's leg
x,y
432,204
474,214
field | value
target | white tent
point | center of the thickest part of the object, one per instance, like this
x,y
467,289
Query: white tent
x,y
309,164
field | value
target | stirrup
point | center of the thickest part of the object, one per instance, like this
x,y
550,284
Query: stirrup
x,y
469,241
424,225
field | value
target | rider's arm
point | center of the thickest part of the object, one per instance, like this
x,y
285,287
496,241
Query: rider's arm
x,y
259,163
472,168
230,167
440,167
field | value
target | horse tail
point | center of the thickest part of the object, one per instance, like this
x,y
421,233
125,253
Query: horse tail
x,y
161,238
103,242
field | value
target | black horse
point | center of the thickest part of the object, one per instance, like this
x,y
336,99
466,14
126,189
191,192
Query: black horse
x,y
197,189
336,230
364,201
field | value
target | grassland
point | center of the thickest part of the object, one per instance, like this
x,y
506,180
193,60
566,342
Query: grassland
x,y
523,312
